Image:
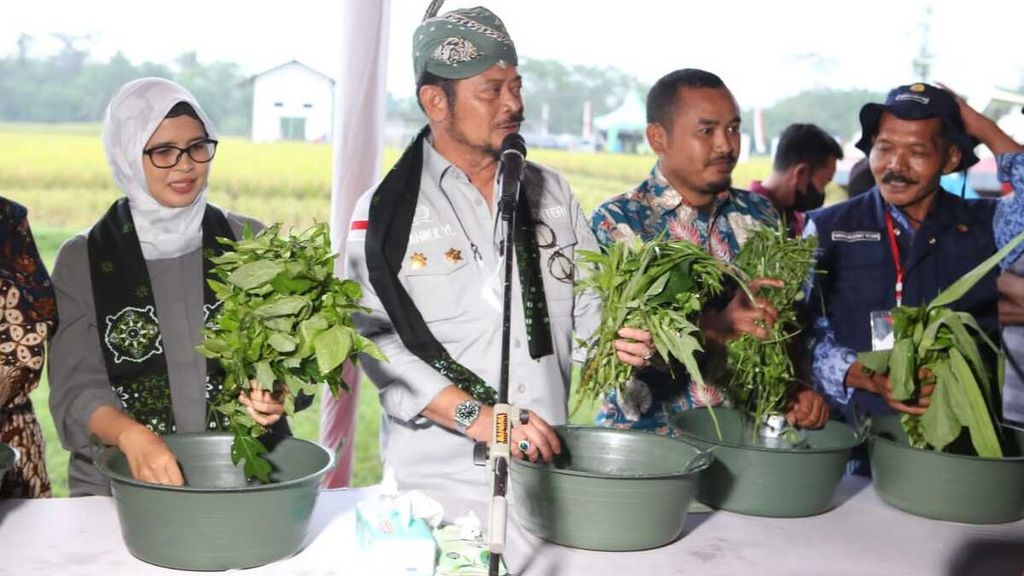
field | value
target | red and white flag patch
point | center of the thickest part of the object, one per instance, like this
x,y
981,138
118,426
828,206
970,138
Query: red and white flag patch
x,y
357,230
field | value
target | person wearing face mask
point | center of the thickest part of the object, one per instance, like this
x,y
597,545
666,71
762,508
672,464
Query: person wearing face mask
x,y
900,243
805,162
133,299
694,128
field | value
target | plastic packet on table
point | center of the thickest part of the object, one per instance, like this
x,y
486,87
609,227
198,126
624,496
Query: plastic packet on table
x,y
463,551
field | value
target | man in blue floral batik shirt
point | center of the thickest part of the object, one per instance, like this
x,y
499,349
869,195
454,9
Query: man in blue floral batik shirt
x,y
694,128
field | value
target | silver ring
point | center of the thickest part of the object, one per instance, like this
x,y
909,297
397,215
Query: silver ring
x,y
524,446
649,355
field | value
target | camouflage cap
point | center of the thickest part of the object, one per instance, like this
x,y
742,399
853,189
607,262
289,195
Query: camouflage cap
x,y
461,43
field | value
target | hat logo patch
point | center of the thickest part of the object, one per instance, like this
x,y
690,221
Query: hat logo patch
x,y
917,88
914,97
454,50
477,27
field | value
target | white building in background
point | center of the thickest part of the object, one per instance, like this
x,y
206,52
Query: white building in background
x,y
292,102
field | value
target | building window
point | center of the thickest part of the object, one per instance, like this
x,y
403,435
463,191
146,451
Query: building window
x,y
293,128
278,104
307,105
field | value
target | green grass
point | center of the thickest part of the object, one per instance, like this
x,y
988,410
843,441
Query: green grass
x,y
60,173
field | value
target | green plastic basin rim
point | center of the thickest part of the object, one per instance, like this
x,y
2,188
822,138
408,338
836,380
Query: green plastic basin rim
x,y
877,438
700,461
103,461
855,440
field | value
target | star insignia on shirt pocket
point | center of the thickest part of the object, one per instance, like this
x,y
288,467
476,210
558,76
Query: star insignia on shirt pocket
x,y
418,261
454,256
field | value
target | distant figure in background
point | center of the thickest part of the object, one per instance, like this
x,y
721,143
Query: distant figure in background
x,y
805,162
861,180
29,314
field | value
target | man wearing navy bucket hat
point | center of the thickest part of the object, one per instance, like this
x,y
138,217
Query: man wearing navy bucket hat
x,y
900,243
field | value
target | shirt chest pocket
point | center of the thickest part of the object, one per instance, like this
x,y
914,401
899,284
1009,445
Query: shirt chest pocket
x,y
443,285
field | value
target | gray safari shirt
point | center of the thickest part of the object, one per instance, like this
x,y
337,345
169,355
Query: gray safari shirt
x,y
78,373
452,272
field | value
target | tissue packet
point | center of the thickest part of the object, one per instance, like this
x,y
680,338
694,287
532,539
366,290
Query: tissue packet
x,y
391,542
461,555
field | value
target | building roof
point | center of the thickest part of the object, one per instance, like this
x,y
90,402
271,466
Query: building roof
x,y
289,63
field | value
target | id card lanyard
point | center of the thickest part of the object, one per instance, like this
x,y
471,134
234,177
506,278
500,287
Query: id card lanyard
x,y
895,249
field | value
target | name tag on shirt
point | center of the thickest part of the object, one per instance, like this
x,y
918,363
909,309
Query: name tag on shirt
x,y
856,236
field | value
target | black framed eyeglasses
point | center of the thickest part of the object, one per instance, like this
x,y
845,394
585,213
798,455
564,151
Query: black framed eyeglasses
x,y
168,156
560,266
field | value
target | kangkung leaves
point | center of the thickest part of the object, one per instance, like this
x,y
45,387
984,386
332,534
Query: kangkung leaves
x,y
658,286
285,322
760,373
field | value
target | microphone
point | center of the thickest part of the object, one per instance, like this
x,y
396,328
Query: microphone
x,y
513,164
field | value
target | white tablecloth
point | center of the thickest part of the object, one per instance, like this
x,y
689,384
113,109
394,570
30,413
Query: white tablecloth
x,y
860,536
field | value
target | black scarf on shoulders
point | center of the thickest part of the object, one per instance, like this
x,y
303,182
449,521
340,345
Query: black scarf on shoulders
x,y
387,238
128,323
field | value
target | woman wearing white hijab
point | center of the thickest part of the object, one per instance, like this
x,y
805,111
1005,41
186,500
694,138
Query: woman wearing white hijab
x,y
132,296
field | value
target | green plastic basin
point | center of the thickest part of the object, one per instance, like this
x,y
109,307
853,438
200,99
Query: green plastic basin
x,y
610,489
8,458
778,481
944,486
217,521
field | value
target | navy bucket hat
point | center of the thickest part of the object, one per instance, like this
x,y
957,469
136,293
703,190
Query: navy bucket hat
x,y
919,102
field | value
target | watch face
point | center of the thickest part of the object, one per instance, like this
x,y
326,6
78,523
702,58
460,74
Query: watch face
x,y
466,412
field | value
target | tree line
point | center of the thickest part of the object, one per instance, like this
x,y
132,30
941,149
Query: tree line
x,y
69,86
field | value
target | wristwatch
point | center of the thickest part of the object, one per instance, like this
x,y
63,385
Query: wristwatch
x,y
465,414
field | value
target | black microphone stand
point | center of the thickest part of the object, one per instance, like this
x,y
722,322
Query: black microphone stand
x,y
505,415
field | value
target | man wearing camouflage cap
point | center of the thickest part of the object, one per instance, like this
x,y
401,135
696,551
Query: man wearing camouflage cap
x,y
425,246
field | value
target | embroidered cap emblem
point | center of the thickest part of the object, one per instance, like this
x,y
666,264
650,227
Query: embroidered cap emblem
x,y
418,261
917,88
454,50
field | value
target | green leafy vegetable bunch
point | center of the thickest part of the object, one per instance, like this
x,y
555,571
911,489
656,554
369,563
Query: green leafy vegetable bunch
x,y
658,286
760,374
947,344
284,321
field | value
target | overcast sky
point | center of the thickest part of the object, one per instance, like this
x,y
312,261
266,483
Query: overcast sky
x,y
764,50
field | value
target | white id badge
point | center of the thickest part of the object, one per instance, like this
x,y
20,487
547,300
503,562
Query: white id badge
x,y
881,330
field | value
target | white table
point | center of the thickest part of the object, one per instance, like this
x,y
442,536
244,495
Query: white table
x,y
861,536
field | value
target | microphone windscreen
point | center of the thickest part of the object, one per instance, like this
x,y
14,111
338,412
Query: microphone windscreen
x,y
515,142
